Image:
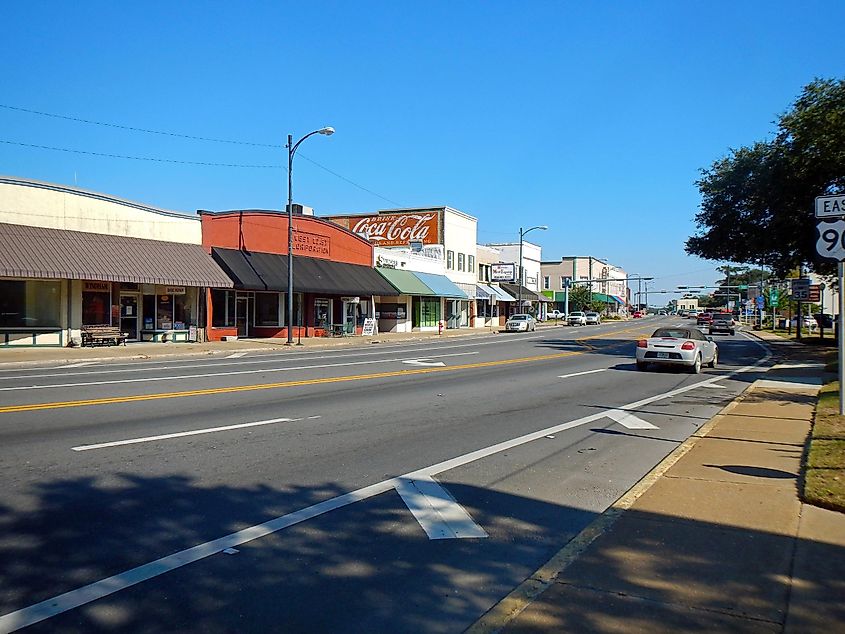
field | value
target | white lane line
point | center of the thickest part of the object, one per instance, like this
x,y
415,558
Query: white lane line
x,y
153,366
439,514
81,364
795,366
566,376
236,355
716,386
627,419
215,374
74,598
195,432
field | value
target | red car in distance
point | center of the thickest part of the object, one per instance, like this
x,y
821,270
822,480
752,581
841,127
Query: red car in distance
x,y
637,314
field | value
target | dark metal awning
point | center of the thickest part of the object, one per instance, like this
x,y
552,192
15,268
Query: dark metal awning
x,y
77,255
258,271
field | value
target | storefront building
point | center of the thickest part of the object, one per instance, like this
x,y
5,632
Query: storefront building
x,y
333,276
70,258
439,233
608,283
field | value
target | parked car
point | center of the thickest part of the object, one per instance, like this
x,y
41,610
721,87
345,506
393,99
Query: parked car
x,y
723,322
577,318
661,313
683,347
592,318
556,314
520,323
806,322
682,313
636,314
824,320
693,314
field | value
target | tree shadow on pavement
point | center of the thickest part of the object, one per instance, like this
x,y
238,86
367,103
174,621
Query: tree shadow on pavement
x,y
368,566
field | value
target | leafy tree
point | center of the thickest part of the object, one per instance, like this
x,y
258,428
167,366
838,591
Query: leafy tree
x,y
757,202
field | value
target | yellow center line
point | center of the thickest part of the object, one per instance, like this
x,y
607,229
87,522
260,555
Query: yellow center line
x,y
284,384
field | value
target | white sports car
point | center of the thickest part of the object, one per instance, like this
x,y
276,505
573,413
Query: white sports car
x,y
685,347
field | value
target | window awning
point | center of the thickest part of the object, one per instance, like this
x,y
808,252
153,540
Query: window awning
x,y
527,293
406,282
501,295
257,271
77,255
484,292
441,285
607,299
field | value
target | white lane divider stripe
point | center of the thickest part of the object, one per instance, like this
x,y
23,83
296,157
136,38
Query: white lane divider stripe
x,y
81,364
439,514
236,355
215,374
51,607
195,432
566,376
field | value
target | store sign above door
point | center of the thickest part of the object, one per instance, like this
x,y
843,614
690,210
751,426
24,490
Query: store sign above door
x,y
395,230
502,272
170,290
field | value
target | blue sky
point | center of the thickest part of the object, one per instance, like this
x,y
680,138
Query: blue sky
x,y
592,118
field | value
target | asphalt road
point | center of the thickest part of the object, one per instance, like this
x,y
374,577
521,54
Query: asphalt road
x,y
400,488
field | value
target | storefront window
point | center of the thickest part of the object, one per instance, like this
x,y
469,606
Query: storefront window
x,y
30,304
267,309
96,305
222,308
164,312
322,314
426,312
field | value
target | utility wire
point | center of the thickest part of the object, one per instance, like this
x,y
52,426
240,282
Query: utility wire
x,y
133,129
182,136
138,158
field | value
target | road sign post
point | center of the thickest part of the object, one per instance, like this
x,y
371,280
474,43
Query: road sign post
x,y
831,244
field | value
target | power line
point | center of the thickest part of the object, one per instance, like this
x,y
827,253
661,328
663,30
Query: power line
x,y
177,135
361,187
134,129
138,158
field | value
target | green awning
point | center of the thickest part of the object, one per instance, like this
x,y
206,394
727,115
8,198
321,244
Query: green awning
x,y
607,299
406,283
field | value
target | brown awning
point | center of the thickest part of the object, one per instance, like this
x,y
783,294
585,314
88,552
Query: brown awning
x,y
76,255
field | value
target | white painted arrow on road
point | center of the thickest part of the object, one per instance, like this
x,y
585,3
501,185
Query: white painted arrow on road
x,y
439,514
627,419
428,363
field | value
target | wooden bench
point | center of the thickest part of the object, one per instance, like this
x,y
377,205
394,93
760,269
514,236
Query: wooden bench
x,y
103,336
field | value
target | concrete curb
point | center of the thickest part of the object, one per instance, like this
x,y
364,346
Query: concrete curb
x,y
495,619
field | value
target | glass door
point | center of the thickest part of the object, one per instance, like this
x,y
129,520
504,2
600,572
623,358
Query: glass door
x,y
242,306
129,315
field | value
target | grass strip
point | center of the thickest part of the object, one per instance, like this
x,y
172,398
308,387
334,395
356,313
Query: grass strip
x,y
824,470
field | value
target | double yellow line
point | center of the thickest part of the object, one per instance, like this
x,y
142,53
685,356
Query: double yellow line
x,y
284,384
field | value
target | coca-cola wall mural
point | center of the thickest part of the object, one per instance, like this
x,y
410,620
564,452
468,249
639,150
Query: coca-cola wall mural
x,y
396,229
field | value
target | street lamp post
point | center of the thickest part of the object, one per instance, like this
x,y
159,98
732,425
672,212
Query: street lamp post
x,y
292,147
521,276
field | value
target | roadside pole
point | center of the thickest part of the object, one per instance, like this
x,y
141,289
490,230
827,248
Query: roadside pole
x,y
841,341
830,212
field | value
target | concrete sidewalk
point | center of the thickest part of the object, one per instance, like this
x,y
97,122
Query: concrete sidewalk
x,y
714,539
26,356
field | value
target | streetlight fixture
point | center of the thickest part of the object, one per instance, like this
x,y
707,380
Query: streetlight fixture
x,y
521,275
292,147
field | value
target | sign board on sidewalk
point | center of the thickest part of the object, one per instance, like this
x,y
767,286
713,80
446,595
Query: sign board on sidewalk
x,y
369,327
830,206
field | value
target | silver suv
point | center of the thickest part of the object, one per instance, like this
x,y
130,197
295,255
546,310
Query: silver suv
x,y
593,318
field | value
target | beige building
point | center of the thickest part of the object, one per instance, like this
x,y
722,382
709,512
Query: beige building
x,y
608,282
71,258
